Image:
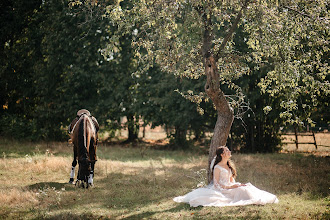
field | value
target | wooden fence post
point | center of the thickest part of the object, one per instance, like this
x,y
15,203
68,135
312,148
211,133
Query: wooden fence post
x,y
295,133
314,140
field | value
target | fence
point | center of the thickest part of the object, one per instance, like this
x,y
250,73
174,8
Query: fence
x,y
302,134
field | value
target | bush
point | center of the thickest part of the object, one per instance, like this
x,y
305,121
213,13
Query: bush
x,y
20,127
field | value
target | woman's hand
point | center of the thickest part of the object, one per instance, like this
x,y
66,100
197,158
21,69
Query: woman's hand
x,y
232,186
236,186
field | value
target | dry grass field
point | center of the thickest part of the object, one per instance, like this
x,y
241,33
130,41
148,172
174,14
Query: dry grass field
x,y
139,183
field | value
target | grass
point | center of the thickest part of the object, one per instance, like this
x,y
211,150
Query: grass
x,y
140,182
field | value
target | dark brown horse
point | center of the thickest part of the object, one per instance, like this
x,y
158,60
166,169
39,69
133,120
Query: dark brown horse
x,y
84,139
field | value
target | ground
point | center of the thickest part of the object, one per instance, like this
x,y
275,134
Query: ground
x,y
140,182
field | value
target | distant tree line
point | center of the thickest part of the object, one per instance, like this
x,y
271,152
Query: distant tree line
x,y
53,63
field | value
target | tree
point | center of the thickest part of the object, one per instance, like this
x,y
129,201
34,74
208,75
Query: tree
x,y
68,75
293,38
18,50
194,38
162,104
52,68
257,130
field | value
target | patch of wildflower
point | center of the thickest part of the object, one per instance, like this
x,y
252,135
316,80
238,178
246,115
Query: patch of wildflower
x,y
200,177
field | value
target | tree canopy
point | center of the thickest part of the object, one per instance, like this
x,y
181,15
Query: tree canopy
x,y
264,63
195,38
289,36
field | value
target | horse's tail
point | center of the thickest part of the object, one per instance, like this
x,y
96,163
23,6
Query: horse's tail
x,y
82,138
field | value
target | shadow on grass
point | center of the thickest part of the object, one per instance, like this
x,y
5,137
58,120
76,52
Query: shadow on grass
x,y
148,214
228,213
70,216
134,187
245,212
119,191
55,185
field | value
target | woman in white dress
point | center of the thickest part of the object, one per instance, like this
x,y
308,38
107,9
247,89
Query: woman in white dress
x,y
224,191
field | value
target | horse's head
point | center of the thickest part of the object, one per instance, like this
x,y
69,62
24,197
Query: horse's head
x,y
84,168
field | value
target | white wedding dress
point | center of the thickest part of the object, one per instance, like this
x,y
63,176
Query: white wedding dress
x,y
215,195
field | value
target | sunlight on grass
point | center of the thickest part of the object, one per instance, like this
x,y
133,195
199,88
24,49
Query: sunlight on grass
x,y
134,185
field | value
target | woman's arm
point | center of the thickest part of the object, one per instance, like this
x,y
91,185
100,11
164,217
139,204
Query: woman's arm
x,y
222,183
232,180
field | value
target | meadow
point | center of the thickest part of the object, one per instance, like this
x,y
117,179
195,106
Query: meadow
x,y
139,182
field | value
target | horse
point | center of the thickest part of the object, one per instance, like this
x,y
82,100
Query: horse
x,y
84,139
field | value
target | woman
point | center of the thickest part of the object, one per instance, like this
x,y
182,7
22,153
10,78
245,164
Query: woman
x,y
224,191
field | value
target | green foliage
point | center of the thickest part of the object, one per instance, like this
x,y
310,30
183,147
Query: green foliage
x,y
258,129
291,53
67,79
18,127
160,103
297,49
17,53
58,69
113,58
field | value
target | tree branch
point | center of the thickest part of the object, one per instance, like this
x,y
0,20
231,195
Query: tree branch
x,y
307,15
298,12
207,31
231,30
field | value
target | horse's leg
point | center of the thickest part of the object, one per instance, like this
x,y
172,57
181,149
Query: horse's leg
x,y
82,183
86,180
74,163
91,174
92,156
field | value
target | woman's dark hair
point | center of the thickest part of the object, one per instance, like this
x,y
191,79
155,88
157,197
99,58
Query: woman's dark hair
x,y
218,158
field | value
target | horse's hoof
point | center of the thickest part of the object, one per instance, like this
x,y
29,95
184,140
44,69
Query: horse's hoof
x,y
71,181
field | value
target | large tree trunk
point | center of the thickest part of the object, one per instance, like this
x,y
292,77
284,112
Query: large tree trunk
x,y
133,129
180,137
212,86
225,113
